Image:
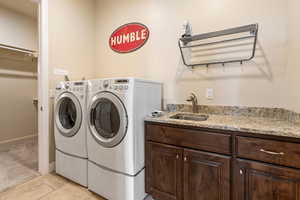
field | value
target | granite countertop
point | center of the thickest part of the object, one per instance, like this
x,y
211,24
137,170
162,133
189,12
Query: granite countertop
x,y
249,124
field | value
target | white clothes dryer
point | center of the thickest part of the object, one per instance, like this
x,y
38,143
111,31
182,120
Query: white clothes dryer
x,y
70,131
116,112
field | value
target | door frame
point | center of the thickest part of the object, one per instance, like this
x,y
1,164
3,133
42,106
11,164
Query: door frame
x,y
43,88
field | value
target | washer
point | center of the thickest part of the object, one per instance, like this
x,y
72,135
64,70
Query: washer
x,y
70,130
116,112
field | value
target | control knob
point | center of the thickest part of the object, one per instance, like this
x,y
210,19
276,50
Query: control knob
x,y
105,84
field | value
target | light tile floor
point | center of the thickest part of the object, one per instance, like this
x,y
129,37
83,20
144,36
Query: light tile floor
x,y
48,187
19,179
18,163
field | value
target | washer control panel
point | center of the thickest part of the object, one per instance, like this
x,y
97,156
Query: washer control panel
x,y
71,87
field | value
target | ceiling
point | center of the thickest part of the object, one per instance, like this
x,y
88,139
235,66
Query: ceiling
x,y
26,7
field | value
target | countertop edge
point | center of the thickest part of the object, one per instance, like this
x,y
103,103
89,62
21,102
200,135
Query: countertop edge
x,y
237,130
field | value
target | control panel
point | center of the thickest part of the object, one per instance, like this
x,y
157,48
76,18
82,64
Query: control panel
x,y
71,87
118,85
121,84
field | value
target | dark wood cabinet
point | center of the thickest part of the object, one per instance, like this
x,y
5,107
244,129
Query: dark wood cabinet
x,y
206,176
259,181
201,140
191,163
275,152
164,171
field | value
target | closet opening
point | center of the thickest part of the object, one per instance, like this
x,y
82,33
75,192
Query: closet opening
x,y
19,52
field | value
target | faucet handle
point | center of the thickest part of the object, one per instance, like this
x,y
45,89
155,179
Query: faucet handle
x,y
190,99
193,98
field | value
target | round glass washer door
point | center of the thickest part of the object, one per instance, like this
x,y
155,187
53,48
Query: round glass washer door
x,y
68,115
107,119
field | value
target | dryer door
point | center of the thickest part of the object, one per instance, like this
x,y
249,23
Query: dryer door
x,y
68,114
107,119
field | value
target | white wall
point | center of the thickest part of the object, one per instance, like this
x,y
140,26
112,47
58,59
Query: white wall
x,y
253,84
293,69
72,38
18,30
18,117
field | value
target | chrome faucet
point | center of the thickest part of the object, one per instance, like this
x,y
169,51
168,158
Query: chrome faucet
x,y
194,101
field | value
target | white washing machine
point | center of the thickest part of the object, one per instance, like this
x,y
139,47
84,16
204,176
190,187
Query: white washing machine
x,y
70,131
116,112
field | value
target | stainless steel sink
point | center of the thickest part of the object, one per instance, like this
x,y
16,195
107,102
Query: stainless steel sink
x,y
191,117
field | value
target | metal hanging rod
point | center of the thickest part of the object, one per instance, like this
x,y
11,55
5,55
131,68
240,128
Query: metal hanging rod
x,y
252,29
22,50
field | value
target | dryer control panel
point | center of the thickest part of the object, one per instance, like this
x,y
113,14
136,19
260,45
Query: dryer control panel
x,y
120,84
109,84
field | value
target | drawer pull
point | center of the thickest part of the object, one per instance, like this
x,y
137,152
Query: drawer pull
x,y
185,158
271,152
177,156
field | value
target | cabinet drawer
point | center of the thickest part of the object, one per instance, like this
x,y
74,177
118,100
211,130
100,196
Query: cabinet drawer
x,y
282,153
202,140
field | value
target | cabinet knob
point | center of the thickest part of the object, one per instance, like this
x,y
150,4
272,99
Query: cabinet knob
x,y
241,172
177,156
185,158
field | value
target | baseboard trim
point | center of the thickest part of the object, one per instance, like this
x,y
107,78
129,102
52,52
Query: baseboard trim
x,y
52,167
6,144
18,139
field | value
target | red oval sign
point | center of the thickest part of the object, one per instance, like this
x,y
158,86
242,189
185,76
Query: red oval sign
x,y
129,37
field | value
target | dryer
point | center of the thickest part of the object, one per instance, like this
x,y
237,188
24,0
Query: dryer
x,y
116,112
70,131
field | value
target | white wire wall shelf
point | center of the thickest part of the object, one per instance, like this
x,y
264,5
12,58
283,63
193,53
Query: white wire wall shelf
x,y
219,40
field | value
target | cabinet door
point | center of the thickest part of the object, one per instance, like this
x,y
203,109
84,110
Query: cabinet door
x,y
164,171
206,176
257,181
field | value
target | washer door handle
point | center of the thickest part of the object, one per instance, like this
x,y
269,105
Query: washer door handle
x,y
92,114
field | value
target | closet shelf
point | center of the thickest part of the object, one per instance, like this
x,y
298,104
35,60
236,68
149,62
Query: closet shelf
x,y
16,61
18,73
17,54
188,43
18,49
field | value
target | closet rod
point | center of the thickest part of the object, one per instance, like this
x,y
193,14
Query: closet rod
x,y
16,73
4,46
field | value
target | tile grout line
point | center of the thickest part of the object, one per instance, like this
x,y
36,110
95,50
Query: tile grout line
x,y
49,193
